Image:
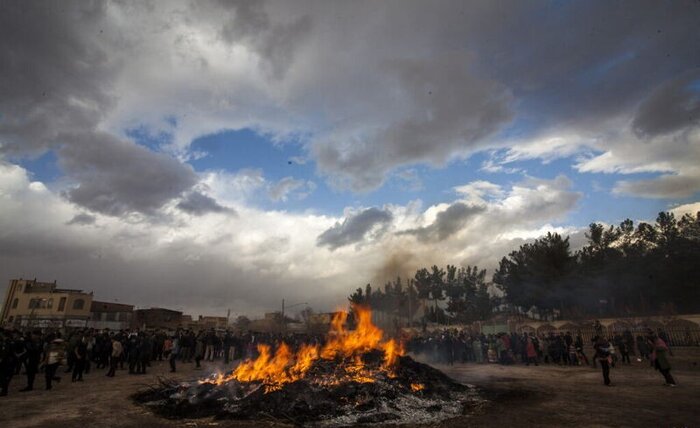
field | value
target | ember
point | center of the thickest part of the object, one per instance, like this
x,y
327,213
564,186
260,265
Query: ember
x,y
356,377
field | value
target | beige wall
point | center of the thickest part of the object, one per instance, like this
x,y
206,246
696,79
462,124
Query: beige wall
x,y
17,303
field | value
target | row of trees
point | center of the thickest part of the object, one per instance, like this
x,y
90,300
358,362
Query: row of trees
x,y
622,270
465,289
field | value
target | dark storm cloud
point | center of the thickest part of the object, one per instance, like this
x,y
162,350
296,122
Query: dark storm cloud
x,y
355,228
197,203
447,222
663,187
583,61
673,105
54,76
116,177
248,22
432,81
82,220
454,109
55,89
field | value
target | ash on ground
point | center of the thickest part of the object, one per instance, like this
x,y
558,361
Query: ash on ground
x,y
412,393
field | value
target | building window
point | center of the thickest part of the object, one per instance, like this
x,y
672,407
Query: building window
x,y
111,316
15,303
49,304
78,304
10,319
62,304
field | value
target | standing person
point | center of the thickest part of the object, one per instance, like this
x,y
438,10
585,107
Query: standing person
x,y
54,356
186,343
34,348
79,360
602,354
20,351
167,347
660,359
115,356
158,344
199,349
70,351
7,361
643,348
174,351
664,337
134,350
478,352
530,352
144,353
209,340
568,341
578,344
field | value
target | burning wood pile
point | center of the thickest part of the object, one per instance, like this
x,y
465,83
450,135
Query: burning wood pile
x,y
356,377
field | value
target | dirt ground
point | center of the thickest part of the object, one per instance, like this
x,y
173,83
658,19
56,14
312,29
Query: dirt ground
x,y
544,396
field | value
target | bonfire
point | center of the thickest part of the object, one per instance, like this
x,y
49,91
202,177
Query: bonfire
x,y
357,376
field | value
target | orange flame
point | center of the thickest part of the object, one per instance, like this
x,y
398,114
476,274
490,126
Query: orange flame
x,y
415,387
345,346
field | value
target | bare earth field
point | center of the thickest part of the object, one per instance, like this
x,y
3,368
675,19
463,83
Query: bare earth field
x,y
544,396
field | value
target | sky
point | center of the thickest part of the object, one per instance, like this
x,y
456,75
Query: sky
x,y
216,155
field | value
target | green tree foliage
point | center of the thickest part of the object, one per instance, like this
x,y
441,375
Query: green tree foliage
x,y
621,269
624,269
465,289
538,274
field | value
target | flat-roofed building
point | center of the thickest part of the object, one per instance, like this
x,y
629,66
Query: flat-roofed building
x,y
114,316
33,304
209,322
157,318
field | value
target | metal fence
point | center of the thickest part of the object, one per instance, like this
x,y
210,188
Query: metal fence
x,y
679,332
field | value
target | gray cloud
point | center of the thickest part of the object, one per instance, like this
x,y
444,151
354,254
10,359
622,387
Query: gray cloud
x,y
450,110
673,105
413,90
371,222
82,219
56,89
664,187
249,23
447,222
116,177
197,203
55,78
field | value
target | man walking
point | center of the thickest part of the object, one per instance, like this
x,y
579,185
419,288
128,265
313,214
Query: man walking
x,y
115,356
33,346
602,354
79,360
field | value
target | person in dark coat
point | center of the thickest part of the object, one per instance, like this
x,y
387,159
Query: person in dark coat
x,y
34,349
144,353
7,361
134,350
660,358
602,354
80,355
578,344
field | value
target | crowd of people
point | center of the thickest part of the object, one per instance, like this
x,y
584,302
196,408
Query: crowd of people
x,y
563,348
81,351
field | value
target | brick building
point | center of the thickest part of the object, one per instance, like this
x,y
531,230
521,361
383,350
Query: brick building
x,y
114,316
